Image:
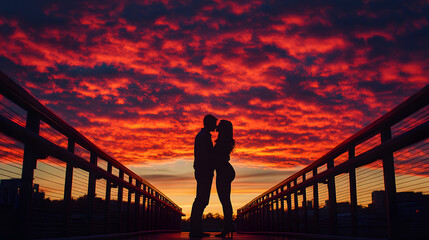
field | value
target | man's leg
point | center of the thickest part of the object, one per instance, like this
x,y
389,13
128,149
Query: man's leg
x,y
204,184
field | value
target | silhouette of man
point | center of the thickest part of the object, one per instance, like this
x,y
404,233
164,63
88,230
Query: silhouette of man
x,y
203,150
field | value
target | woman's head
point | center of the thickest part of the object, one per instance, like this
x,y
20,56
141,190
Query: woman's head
x,y
224,128
225,133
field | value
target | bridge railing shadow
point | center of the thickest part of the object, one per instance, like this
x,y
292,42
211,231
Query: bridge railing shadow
x,y
54,182
374,184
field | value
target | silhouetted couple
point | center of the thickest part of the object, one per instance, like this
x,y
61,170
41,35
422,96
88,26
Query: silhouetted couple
x,y
207,160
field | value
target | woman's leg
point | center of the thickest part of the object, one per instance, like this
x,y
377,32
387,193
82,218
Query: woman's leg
x,y
223,186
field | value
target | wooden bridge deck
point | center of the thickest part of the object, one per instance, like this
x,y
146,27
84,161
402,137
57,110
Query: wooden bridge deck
x,y
184,235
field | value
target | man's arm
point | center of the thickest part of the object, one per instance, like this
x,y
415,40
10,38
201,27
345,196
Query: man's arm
x,y
202,150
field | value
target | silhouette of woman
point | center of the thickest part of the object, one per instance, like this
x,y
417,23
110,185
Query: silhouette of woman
x,y
225,173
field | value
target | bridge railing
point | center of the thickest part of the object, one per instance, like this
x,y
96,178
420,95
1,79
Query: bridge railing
x,y
54,182
374,184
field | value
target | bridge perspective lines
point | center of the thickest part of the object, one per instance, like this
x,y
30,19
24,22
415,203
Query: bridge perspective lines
x,y
55,183
374,184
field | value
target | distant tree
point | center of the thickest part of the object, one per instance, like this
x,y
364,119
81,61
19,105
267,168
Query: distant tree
x,y
211,222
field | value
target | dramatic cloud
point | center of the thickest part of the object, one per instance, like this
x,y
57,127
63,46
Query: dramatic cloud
x,y
294,77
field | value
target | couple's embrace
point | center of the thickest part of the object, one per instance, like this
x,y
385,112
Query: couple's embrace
x,y
209,159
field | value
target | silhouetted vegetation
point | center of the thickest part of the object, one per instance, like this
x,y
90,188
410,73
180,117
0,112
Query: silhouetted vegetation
x,y
210,223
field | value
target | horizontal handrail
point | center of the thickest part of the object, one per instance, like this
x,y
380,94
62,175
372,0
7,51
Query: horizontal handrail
x,y
406,139
409,106
25,100
24,135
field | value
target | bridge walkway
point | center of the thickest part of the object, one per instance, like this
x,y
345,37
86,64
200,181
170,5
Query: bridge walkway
x,y
184,235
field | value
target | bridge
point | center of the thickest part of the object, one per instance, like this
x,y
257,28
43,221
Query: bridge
x,y
372,185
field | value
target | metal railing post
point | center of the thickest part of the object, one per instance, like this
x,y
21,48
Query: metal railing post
x,y
169,215
91,194
263,221
304,205
282,211
390,186
353,194
129,213
289,207
108,200
257,219
247,218
26,189
250,221
68,189
332,201
150,206
154,213
266,212
164,217
120,200
158,213
161,215
296,208
137,209
316,203
144,210
277,220
241,225
271,212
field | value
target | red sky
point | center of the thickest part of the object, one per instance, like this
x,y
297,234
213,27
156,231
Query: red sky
x,y
295,78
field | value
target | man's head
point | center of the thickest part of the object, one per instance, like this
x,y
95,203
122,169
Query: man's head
x,y
210,122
